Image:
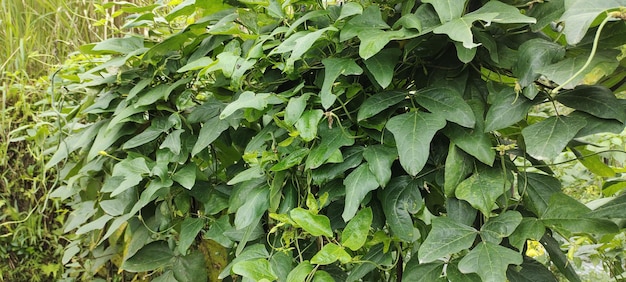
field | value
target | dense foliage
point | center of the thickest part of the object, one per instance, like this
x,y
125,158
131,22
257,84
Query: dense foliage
x,y
300,141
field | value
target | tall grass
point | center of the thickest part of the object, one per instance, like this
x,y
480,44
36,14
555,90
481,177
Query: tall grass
x,y
35,38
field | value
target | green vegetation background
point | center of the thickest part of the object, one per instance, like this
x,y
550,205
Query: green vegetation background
x,y
36,37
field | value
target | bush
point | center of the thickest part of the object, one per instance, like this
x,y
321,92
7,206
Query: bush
x,y
305,141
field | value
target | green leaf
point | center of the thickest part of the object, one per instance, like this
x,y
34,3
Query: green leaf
x,y
253,172
594,163
446,102
460,211
455,275
316,225
465,55
119,45
567,214
257,270
358,183
597,125
355,233
190,268
382,65
208,133
130,171
413,132
196,64
217,229
303,44
152,256
459,28
300,272
350,9
445,238
293,159
400,199
329,254
307,124
533,55
173,142
616,208
254,252
530,271
422,272
334,67
529,228
379,102
501,226
370,19
546,139
322,276
295,108
482,189
579,14
594,99
490,261
507,109
186,176
458,166
188,231
247,99
473,141
375,40
448,9
257,202
379,159
282,264
332,139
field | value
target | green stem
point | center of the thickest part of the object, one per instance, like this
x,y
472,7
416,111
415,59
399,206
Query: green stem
x,y
594,48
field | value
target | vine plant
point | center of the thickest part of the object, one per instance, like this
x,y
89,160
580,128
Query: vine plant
x,y
307,141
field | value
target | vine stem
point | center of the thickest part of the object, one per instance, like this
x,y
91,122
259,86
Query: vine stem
x,y
594,48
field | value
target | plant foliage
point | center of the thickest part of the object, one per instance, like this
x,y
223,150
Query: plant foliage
x,y
292,141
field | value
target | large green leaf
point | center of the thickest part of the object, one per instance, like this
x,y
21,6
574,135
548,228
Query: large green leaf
x,y
473,141
594,99
379,159
579,14
422,272
186,175
316,224
257,270
208,133
445,238
507,109
379,102
355,233
382,66
459,28
569,215
293,159
332,139
369,19
448,103
562,71
152,256
400,199
308,123
546,139
295,108
130,171
413,132
490,261
190,268
303,44
330,253
247,99
448,9
334,67
533,55
537,189
530,271
257,202
188,231
455,275
458,166
501,226
254,252
616,208
482,189
358,183
529,228
300,272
